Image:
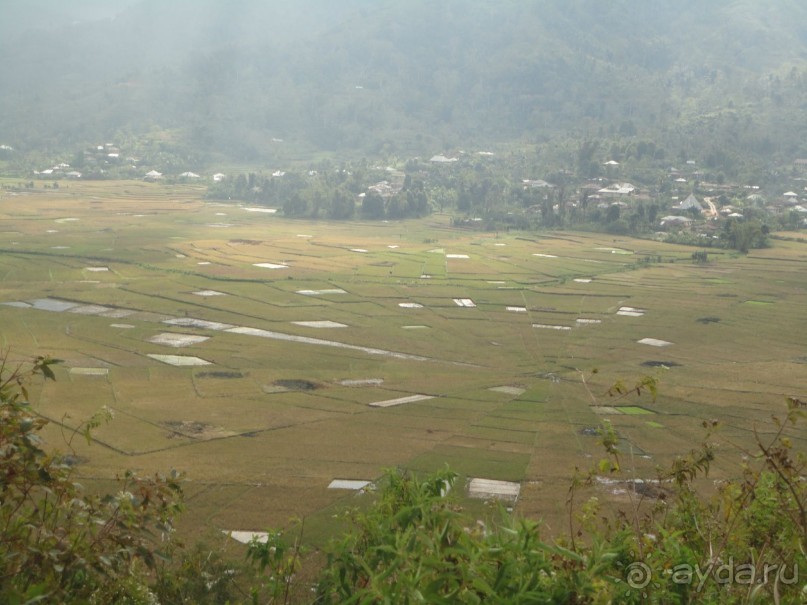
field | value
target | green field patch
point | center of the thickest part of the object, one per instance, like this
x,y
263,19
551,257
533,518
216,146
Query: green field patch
x,y
220,374
654,425
232,506
361,396
500,435
457,415
295,441
194,430
473,462
274,389
511,423
457,403
245,413
429,429
523,418
605,410
130,435
217,384
633,410
296,406
358,314
660,364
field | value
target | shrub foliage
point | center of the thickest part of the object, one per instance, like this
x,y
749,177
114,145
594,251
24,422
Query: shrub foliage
x,y
743,540
59,544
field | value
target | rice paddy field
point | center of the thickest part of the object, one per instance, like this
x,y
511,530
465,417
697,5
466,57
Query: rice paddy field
x,y
283,364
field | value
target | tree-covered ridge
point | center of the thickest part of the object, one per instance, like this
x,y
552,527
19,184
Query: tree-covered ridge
x,y
259,81
487,192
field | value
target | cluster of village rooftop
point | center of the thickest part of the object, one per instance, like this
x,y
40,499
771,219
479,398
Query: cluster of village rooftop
x,y
616,193
107,155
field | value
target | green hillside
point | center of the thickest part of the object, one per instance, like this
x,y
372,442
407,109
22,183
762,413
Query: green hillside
x,y
257,81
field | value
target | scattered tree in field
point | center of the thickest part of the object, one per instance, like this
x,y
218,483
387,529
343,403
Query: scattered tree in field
x,y
742,235
700,256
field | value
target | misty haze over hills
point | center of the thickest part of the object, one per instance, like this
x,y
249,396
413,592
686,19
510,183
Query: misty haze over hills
x,y
553,251
228,80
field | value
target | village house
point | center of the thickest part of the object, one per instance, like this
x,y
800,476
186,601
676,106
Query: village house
x,y
675,222
536,184
617,190
690,204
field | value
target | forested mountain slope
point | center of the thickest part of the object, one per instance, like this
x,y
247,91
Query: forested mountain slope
x,y
725,78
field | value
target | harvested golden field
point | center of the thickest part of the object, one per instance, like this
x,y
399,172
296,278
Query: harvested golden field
x,y
266,357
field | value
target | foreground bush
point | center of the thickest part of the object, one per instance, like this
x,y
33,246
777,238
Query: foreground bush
x,y
745,544
415,545
58,544
669,543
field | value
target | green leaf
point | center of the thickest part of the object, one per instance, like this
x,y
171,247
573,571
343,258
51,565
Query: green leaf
x,y
559,550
